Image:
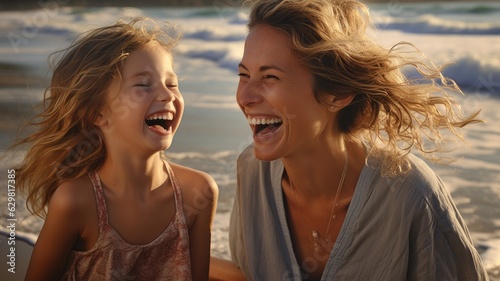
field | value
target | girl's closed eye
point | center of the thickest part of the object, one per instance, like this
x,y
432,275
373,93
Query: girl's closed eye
x,y
172,85
243,75
143,85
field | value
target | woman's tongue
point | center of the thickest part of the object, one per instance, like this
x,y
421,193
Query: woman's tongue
x,y
266,129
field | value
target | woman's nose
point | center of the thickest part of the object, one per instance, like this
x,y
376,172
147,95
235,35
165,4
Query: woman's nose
x,y
248,94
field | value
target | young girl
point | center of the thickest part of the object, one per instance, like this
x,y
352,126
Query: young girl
x,y
116,209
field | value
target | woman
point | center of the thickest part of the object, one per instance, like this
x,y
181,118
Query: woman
x,y
330,189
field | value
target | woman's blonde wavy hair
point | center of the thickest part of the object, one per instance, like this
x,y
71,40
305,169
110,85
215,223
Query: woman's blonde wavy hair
x,y
389,112
65,143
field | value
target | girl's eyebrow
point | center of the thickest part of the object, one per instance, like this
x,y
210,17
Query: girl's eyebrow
x,y
138,74
171,74
263,68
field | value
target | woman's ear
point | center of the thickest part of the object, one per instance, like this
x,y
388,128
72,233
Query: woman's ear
x,y
335,103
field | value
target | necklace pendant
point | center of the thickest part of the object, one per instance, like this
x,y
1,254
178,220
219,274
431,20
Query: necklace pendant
x,y
316,241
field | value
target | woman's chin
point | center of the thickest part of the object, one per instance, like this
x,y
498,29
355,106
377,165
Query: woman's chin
x,y
264,155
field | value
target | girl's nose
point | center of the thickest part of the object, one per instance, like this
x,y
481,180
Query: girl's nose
x,y
166,94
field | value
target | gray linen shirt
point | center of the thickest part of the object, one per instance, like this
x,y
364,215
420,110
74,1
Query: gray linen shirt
x,y
399,228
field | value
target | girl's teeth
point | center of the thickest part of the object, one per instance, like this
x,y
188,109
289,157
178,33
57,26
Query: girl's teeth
x,y
168,116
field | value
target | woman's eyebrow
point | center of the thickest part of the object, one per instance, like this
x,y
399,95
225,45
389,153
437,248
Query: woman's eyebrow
x,y
263,67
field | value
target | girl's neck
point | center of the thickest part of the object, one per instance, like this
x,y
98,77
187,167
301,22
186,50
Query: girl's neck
x,y
124,172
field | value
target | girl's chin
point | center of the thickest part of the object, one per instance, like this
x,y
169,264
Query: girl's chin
x,y
164,147
159,147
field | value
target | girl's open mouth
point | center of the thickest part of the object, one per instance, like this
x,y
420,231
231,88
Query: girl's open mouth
x,y
160,121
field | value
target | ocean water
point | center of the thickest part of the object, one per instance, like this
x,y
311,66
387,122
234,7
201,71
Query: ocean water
x,y
213,131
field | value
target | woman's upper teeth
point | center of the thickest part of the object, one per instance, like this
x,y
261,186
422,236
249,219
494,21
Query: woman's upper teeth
x,y
263,121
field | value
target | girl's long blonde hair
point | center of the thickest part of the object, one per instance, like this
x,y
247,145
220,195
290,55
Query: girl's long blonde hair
x,y
389,112
66,144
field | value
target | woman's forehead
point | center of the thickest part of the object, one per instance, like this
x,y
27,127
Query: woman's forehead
x,y
267,45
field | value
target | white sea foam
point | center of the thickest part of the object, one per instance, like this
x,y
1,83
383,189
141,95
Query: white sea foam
x,y
429,24
470,46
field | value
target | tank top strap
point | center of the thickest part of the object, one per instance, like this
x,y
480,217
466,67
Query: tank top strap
x,y
100,199
177,190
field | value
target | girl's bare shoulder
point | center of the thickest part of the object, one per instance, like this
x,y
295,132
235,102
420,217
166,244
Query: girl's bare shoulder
x,y
196,185
73,195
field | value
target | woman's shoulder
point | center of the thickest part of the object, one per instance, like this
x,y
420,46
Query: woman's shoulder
x,y
419,175
423,186
423,177
420,183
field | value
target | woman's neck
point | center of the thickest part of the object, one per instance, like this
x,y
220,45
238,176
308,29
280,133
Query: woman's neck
x,y
317,171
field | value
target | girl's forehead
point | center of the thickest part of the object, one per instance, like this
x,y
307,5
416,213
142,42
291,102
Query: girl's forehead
x,y
150,58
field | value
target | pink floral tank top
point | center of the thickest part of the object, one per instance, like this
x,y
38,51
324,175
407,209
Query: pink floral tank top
x,y
112,258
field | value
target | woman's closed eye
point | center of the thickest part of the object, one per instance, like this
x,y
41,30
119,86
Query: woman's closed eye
x,y
270,76
267,76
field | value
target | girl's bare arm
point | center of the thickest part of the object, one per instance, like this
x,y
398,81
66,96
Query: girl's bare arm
x,y
201,204
57,238
224,270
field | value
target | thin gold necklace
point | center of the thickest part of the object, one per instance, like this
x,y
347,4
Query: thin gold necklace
x,y
318,241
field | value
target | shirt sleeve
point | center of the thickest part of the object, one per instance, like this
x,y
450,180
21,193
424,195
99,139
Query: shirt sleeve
x,y
441,244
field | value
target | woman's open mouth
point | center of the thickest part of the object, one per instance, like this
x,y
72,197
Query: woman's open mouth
x,y
262,126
